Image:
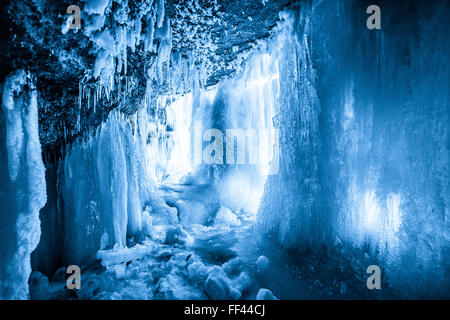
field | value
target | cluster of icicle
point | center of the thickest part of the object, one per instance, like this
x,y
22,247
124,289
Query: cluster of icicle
x,y
107,177
115,30
178,62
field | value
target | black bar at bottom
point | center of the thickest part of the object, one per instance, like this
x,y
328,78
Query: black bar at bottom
x,y
248,309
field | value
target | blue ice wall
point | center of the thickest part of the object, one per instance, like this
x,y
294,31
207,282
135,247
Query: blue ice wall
x,y
363,120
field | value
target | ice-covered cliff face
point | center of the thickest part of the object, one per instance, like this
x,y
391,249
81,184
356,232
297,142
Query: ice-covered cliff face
x,y
364,152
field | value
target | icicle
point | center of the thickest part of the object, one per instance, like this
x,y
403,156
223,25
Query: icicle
x,y
107,93
95,98
160,12
80,93
88,97
150,32
125,60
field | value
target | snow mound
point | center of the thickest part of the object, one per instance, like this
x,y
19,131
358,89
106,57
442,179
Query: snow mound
x,y
265,294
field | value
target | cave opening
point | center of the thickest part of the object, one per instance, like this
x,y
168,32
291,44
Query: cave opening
x,y
179,179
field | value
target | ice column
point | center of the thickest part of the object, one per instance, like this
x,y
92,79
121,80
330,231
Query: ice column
x,y
23,191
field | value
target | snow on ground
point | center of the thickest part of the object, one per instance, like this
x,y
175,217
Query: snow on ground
x,y
224,260
190,262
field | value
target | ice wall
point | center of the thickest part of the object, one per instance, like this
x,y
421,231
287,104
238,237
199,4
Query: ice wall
x,y
363,120
22,176
290,202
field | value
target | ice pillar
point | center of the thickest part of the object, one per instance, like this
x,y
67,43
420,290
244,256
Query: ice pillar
x,y
22,176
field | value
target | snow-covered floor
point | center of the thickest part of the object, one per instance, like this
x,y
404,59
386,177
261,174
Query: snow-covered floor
x,y
223,259
191,262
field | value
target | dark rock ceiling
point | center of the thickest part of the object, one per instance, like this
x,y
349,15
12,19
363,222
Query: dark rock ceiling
x,y
31,38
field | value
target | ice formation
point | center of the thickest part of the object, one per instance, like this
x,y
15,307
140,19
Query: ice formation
x,y
109,181
363,143
23,184
273,167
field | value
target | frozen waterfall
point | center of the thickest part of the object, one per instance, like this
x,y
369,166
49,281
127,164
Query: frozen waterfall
x,y
276,158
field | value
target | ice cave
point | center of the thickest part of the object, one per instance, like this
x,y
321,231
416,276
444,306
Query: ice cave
x,y
224,149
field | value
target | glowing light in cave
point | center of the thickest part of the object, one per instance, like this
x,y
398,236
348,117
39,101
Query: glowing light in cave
x,y
381,219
